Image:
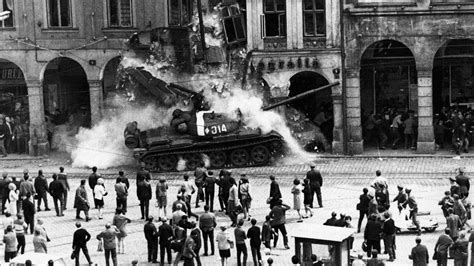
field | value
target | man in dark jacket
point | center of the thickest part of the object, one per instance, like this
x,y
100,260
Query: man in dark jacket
x,y
389,230
93,181
278,216
4,191
464,185
41,187
29,212
442,247
316,182
255,242
224,187
151,236
56,189
401,198
363,207
341,222
275,194
62,178
372,234
79,241
165,232
144,194
331,221
419,254
209,189
3,137
124,179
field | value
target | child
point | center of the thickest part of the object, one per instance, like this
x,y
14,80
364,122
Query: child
x,y
254,235
224,244
161,196
308,198
296,190
267,232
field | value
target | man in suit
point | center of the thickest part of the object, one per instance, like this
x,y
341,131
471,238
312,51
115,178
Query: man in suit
x,y
442,247
165,233
419,254
316,182
151,236
389,230
372,234
79,241
453,222
463,181
62,178
275,194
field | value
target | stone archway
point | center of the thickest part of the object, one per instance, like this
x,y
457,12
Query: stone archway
x,y
66,93
388,86
14,106
110,76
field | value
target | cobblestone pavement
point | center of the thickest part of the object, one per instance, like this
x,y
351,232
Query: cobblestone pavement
x,y
344,179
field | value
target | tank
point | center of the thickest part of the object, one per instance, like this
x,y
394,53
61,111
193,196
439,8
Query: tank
x,y
200,134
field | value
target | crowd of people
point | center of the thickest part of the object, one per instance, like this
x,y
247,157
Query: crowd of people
x,y
14,131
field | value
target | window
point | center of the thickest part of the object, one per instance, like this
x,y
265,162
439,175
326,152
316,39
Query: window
x,y
274,18
179,12
120,13
59,13
234,23
7,5
314,18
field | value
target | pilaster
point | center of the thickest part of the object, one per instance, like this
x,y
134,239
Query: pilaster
x,y
425,142
338,130
96,95
354,127
37,144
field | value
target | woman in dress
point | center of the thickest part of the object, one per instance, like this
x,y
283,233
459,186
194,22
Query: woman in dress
x,y
297,190
99,193
12,198
120,221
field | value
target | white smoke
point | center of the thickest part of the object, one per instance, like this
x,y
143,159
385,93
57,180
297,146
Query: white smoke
x,y
103,145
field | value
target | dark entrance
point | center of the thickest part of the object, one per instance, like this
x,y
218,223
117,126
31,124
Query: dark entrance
x,y
110,79
315,109
388,87
66,93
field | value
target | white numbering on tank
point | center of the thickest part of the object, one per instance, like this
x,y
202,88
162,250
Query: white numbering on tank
x,y
216,129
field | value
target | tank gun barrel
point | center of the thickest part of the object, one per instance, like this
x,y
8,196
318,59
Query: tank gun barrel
x,y
299,96
182,89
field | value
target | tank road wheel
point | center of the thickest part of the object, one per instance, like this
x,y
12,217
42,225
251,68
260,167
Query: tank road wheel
x,y
150,163
167,162
239,157
192,160
260,154
218,159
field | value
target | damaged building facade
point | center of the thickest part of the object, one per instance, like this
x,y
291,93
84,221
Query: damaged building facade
x,y
406,55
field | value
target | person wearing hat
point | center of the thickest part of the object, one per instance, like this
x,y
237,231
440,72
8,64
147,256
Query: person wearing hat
x,y
463,181
99,193
151,236
162,196
316,182
413,207
93,182
401,198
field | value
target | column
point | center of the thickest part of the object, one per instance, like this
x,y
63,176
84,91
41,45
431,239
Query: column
x,y
338,130
38,144
426,142
355,143
95,91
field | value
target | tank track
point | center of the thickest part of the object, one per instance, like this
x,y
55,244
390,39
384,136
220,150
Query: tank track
x,y
256,154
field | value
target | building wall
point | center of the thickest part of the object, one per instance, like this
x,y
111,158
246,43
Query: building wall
x,y
424,27
31,44
278,58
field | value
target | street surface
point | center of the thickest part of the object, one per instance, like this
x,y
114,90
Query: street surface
x,y
344,179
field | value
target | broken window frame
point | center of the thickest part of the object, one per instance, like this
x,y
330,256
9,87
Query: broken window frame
x,y
185,12
236,18
315,12
282,27
7,5
121,14
61,14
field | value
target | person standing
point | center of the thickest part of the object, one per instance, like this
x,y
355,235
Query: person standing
x,y
3,137
419,254
240,237
121,192
120,222
56,189
20,229
223,244
188,188
39,242
196,235
62,177
162,196
372,234
144,195
297,191
363,207
245,197
108,237
224,186
4,190
267,232
207,223
209,189
442,246
80,201
188,251
124,179
278,215
255,242
13,197
26,187
165,234
99,194
151,236
93,182
463,181
29,212
459,209
10,244
389,230
41,187
460,250
275,193
200,176
307,198
233,202
453,222
316,182
79,241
